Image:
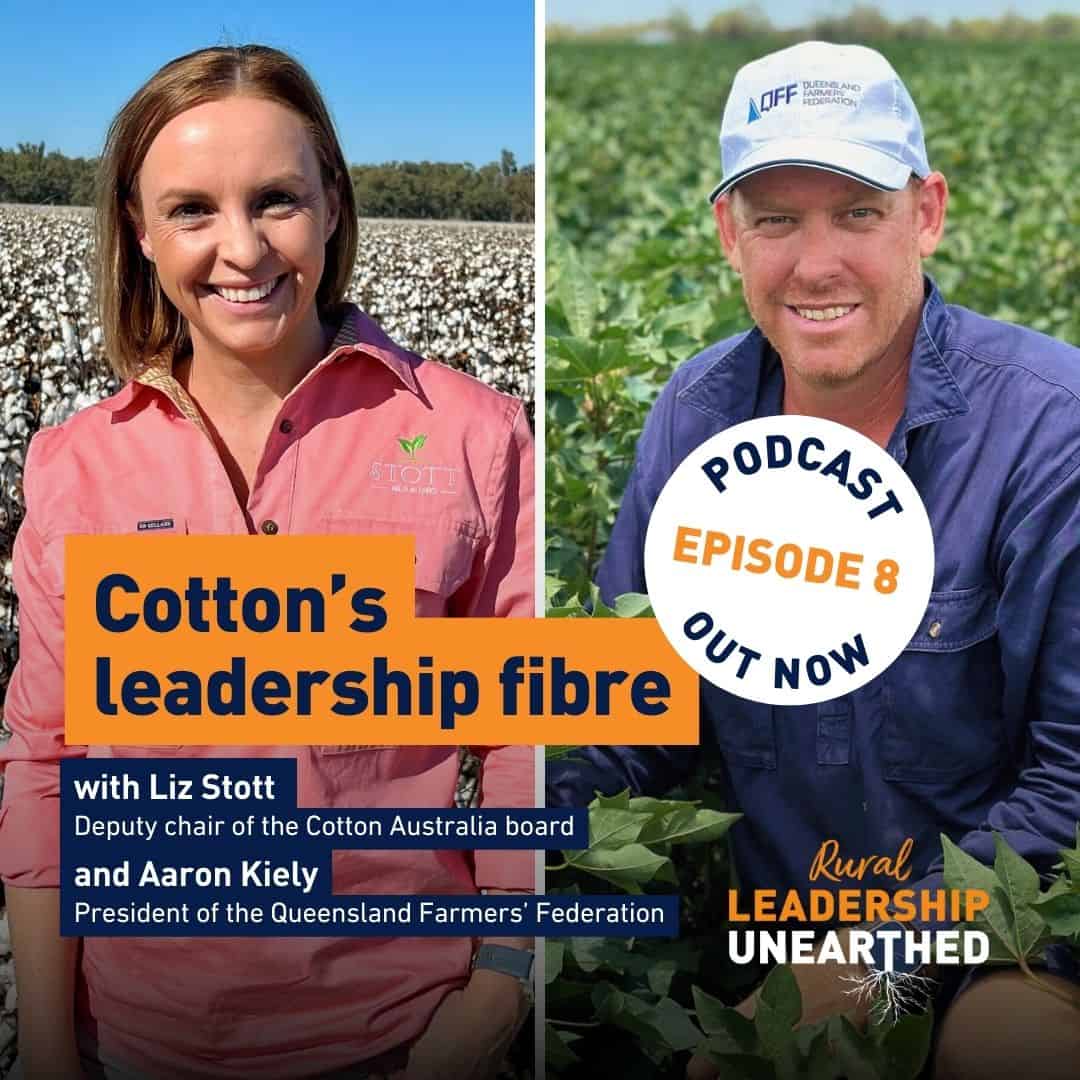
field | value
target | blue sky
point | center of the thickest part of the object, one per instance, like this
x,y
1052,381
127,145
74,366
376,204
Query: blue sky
x,y
796,12
409,80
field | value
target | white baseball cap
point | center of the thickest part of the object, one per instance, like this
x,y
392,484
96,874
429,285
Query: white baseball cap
x,y
837,107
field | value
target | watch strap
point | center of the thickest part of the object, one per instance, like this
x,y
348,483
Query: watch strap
x,y
517,963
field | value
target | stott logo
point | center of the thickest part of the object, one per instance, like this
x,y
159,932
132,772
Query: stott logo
x,y
779,95
410,446
414,478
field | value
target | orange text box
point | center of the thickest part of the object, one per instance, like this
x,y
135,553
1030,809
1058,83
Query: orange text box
x,y
237,640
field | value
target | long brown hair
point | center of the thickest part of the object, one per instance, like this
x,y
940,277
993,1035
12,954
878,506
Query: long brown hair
x,y
138,321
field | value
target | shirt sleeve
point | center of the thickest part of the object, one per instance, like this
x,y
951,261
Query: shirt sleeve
x,y
1039,631
508,780
503,582
34,710
504,585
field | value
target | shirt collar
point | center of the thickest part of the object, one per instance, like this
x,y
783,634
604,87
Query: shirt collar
x,y
932,392
729,388
357,335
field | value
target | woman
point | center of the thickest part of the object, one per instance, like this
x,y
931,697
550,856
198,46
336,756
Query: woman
x,y
260,403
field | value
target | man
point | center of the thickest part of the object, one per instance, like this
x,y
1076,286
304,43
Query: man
x,y
827,207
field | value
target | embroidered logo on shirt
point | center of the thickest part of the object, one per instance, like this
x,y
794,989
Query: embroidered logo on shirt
x,y
410,446
156,523
414,479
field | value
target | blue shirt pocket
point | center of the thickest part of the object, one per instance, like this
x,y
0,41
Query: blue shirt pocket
x,y
943,694
745,730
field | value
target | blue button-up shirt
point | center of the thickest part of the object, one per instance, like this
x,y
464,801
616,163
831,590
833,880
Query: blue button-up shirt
x,y
975,728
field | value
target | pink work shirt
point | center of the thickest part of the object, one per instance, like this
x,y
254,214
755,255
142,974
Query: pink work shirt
x,y
281,1007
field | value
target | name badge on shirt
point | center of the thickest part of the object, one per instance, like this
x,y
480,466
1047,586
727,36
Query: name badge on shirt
x,y
153,524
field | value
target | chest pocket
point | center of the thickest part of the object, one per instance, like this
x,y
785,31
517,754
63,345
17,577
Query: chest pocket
x,y
744,730
445,548
149,525
160,524
942,696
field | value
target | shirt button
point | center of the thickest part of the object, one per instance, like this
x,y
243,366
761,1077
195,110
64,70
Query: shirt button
x,y
270,527
285,427
935,629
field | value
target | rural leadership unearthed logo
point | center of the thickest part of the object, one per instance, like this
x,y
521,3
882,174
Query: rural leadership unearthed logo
x,y
789,560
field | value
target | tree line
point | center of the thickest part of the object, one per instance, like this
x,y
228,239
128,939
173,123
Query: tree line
x,y
863,22
499,191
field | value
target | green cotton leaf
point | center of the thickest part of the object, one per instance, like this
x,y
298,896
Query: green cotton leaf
x,y
722,1021
552,587
1061,914
646,804
616,955
573,610
821,1062
737,1066
857,1056
1017,875
557,1052
906,1046
804,1037
663,1025
612,802
600,610
592,953
694,316
673,1023
781,993
688,825
628,867
667,875
710,1011
578,294
962,871
1020,883
1058,887
633,606
582,360
659,974
1071,863
630,1013
554,954
557,753
777,1038
678,344
609,827
418,442
405,445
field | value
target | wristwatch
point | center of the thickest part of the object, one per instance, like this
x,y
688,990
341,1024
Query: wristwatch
x,y
517,963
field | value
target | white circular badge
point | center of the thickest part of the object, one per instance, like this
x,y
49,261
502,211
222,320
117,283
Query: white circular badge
x,y
789,560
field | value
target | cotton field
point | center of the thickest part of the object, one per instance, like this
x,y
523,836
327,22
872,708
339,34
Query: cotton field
x,y
458,293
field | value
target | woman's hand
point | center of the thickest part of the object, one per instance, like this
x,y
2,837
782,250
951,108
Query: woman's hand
x,y
471,1031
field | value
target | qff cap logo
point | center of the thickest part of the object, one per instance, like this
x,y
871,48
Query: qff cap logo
x,y
779,95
